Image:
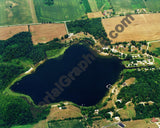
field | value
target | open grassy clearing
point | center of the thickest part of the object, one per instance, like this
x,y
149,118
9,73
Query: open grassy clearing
x,y
127,112
55,53
46,32
93,5
144,27
15,12
61,10
127,6
157,61
70,112
33,12
155,47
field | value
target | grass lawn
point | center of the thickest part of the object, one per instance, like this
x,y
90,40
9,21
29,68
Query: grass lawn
x,y
128,112
61,10
127,6
155,47
153,5
15,12
23,126
157,61
66,124
55,52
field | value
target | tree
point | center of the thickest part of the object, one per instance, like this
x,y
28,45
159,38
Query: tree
x,y
15,110
143,51
49,2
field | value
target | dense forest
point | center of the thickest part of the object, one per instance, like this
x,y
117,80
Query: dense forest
x,y
145,89
91,26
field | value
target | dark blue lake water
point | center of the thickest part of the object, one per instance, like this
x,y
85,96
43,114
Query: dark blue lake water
x,y
77,76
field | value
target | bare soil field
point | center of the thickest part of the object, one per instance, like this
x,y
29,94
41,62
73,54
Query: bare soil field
x,y
144,27
70,111
46,32
8,32
140,124
95,14
129,112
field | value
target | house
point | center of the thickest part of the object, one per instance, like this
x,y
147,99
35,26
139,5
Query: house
x,y
154,120
124,84
108,12
96,111
117,118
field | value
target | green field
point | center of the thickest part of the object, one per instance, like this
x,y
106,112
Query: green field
x,y
127,6
15,12
66,124
61,10
103,4
93,5
153,5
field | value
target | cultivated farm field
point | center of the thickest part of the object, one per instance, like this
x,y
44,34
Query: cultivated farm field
x,y
61,10
15,12
153,5
93,5
144,27
46,32
127,6
8,32
103,4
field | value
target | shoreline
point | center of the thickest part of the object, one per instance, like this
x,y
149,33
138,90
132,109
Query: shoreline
x,y
29,72
34,68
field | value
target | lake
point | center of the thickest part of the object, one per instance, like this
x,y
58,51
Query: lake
x,y
78,76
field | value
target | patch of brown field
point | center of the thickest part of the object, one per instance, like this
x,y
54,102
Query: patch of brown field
x,y
144,27
41,124
101,123
69,112
130,81
95,14
8,32
129,112
140,124
109,105
46,32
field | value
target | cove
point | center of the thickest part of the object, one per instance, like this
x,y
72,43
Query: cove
x,y
85,86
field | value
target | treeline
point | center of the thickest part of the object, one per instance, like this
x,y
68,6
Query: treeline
x,y
16,111
49,2
145,89
91,26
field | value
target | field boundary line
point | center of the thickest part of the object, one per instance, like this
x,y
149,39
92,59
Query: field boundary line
x,y
66,27
33,12
19,25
